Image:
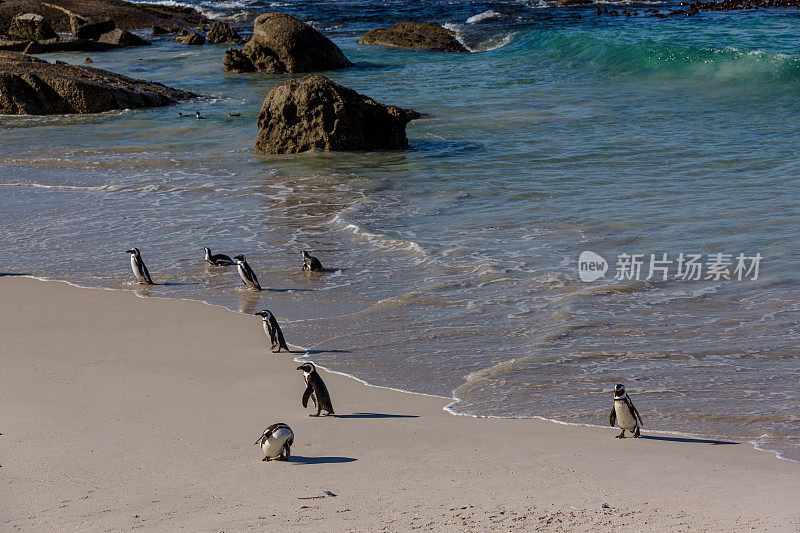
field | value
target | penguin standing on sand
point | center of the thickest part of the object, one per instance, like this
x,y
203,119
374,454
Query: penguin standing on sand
x,y
216,259
276,442
316,390
625,413
310,262
246,273
138,267
273,331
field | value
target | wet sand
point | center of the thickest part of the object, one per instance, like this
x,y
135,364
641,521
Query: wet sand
x,y
121,413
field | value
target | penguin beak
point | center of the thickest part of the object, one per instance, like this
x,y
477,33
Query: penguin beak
x,y
300,367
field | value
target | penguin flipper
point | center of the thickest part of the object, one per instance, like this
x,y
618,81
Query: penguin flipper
x,y
613,417
307,395
147,274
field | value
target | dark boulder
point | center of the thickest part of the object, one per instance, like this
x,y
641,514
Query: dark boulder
x,y
93,29
192,39
221,32
419,35
123,38
32,86
314,113
31,27
280,44
158,30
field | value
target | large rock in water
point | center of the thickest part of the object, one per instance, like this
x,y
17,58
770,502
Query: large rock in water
x,y
314,113
221,32
421,35
31,86
281,44
31,27
123,38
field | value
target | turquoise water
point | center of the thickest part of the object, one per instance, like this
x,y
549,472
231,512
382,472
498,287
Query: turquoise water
x,y
453,265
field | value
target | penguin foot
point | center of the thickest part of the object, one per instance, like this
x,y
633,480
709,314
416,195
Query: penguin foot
x,y
637,434
265,459
621,435
314,414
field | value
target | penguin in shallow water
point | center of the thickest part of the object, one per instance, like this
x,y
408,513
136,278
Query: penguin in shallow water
x,y
246,273
276,442
310,262
624,413
316,390
217,259
273,331
138,267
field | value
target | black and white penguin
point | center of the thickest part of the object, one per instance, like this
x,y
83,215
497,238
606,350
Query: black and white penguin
x,y
217,259
310,262
316,390
273,331
198,115
276,442
246,273
138,267
624,413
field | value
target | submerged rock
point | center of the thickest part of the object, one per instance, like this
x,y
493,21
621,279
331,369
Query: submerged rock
x,y
221,32
419,35
32,86
314,113
280,44
192,39
123,38
31,27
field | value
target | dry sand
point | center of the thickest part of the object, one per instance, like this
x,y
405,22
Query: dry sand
x,y
122,413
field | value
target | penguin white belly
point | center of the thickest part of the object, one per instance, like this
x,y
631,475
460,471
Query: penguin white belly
x,y
274,444
136,271
247,281
625,418
266,328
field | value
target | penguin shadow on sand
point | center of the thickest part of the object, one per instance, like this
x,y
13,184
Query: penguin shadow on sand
x,y
303,460
688,439
374,415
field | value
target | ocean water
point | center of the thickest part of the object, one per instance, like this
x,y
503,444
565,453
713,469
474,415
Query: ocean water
x,y
453,266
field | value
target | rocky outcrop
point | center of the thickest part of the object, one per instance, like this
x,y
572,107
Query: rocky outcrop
x,y
31,86
192,39
314,113
55,45
420,35
222,33
126,15
122,38
91,29
31,27
280,44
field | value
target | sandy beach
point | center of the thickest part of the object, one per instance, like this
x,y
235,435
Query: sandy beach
x,y
122,413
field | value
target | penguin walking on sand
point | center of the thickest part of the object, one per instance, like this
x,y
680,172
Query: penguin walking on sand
x,y
624,413
273,331
216,259
138,267
316,390
246,273
276,442
310,262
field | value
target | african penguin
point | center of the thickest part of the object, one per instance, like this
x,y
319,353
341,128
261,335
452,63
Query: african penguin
x,y
276,442
625,413
316,390
217,259
310,262
246,273
138,267
273,331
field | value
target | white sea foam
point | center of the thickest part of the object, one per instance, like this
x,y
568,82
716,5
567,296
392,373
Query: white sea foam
x,y
489,14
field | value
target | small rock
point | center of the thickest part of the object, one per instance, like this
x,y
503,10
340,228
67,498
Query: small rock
x,y
158,30
93,29
88,60
192,39
123,38
221,32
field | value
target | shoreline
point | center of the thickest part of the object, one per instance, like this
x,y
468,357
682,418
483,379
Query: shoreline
x,y
107,426
452,400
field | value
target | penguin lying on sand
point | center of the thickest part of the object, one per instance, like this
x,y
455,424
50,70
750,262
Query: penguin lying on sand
x,y
138,267
276,442
310,262
273,331
315,389
216,259
625,413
